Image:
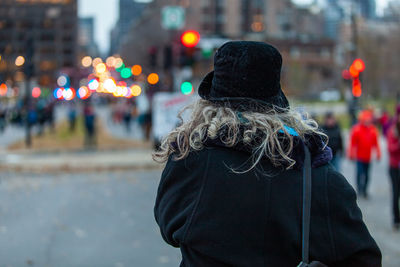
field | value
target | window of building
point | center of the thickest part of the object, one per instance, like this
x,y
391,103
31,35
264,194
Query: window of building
x,y
47,37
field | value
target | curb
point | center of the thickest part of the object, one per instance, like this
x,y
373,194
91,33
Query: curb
x,y
66,168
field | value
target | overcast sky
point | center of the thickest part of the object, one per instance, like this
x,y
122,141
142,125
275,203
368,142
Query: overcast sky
x,y
106,13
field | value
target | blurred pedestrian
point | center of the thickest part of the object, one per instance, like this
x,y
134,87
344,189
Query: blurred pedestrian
x,y
363,141
145,114
50,115
90,125
41,115
127,116
332,129
393,139
231,191
385,122
3,114
72,116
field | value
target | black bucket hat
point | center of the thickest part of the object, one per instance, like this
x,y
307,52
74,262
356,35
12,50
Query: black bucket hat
x,y
246,76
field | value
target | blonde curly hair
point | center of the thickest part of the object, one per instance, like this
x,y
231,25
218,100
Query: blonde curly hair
x,y
209,119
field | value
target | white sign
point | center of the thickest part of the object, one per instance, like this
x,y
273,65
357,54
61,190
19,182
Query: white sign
x,y
172,17
166,107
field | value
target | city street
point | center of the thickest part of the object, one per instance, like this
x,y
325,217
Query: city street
x,y
106,219
81,220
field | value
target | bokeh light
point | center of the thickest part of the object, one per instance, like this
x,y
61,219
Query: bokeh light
x,y
118,91
62,81
58,93
136,90
83,92
186,88
190,38
359,65
110,61
136,70
101,68
118,63
110,85
3,89
128,92
36,92
96,61
93,84
126,73
120,68
122,83
86,61
124,90
19,61
69,93
153,78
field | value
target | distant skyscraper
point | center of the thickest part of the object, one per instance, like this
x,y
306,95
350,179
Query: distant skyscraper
x,y
87,44
334,15
368,8
129,11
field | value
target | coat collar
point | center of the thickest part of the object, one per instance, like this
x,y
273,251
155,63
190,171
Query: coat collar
x,y
320,153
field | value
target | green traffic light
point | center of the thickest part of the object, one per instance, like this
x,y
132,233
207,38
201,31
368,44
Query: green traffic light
x,y
126,73
186,88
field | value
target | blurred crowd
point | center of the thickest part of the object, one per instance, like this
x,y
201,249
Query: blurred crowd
x,y
39,113
364,147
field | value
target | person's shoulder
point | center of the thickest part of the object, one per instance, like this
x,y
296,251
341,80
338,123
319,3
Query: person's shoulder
x,y
337,182
194,158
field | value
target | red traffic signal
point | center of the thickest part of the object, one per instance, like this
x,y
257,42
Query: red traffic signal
x,y
359,65
357,87
356,67
190,38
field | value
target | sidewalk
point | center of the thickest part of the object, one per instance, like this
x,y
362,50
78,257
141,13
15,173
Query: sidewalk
x,y
79,161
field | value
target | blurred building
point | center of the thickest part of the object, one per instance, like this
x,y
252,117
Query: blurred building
x,y
129,11
45,30
297,30
368,8
86,41
309,67
392,11
240,19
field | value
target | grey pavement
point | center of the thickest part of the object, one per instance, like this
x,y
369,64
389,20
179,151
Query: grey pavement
x,y
97,219
10,135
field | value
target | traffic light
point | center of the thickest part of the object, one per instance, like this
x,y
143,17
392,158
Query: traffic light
x,y
355,69
186,88
357,91
190,38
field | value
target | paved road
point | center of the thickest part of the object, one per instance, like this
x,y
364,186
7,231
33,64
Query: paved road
x,y
81,220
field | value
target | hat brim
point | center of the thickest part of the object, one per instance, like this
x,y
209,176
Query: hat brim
x,y
279,102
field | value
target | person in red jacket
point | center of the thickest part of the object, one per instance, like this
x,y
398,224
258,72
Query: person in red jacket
x,y
393,139
363,140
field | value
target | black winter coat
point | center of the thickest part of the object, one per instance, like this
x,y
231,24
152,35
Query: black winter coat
x,y
220,218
